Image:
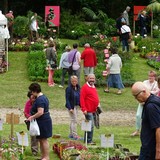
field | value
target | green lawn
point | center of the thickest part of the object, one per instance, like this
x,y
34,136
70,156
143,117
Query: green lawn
x,y
14,86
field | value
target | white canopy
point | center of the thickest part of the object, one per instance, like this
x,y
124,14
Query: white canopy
x,y
3,19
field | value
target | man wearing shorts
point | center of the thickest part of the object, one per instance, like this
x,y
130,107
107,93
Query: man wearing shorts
x,y
89,60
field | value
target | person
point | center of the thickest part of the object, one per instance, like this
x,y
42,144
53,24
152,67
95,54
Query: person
x,y
27,109
119,21
150,132
72,95
64,64
126,16
51,58
75,56
114,68
89,60
34,27
158,82
40,112
10,18
89,102
125,36
152,86
142,23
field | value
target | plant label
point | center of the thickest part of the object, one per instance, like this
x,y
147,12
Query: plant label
x,y
22,138
86,125
107,141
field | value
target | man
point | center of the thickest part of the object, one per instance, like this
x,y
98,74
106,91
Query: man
x,y
64,64
89,60
74,58
126,16
89,101
150,132
34,27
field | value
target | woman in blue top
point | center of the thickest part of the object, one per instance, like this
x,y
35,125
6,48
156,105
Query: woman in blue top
x,y
40,112
72,104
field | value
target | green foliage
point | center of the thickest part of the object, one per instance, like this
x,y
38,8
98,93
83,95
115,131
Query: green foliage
x,y
36,47
21,28
36,64
156,33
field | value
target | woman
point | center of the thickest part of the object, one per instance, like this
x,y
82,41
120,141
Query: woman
x,y
51,57
72,104
152,86
114,67
40,112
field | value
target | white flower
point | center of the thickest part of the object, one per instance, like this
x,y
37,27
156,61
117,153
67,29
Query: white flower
x,y
144,47
45,41
51,38
145,35
138,34
13,43
90,30
72,31
32,42
23,42
135,36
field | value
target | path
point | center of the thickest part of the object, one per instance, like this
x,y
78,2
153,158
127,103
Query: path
x,y
123,118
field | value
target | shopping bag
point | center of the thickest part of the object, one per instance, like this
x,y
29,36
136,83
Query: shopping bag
x,y
34,128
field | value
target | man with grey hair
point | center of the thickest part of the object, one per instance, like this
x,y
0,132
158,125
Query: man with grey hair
x,y
150,132
89,102
89,60
126,16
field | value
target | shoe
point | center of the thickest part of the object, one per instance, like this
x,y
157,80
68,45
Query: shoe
x,y
107,91
91,143
119,92
78,138
60,86
70,136
136,133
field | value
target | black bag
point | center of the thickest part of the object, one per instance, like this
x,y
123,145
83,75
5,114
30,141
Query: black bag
x,y
70,70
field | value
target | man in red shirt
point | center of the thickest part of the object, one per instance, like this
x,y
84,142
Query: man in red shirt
x,y
89,60
89,101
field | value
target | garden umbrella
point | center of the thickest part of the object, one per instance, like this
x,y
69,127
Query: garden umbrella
x,y
153,7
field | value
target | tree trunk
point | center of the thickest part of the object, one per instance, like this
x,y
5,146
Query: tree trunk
x,y
5,6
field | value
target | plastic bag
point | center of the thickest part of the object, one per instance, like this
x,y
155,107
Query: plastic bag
x,y
34,128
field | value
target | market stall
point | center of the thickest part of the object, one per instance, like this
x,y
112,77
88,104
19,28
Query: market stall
x,y
4,36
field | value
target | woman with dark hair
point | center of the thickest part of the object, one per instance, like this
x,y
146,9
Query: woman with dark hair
x,y
114,67
40,112
51,57
72,104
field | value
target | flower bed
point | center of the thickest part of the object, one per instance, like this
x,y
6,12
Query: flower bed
x,y
76,150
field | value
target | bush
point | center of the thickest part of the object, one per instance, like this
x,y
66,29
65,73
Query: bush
x,y
36,63
36,47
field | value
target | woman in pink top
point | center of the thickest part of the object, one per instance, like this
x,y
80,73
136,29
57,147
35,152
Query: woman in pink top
x,y
27,108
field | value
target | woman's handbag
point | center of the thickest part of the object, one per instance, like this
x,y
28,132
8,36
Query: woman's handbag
x,y
34,128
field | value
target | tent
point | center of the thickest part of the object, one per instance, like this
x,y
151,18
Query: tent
x,y
4,36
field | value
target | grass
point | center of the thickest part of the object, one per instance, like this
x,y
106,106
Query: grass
x,y
14,86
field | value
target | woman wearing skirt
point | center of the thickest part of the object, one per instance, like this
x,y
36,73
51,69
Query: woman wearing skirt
x,y
114,67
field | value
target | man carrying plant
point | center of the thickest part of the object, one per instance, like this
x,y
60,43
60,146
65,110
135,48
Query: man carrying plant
x,y
89,101
150,132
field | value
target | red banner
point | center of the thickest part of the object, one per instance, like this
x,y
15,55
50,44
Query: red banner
x,y
137,10
52,15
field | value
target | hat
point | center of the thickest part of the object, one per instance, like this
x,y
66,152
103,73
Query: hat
x,y
87,45
67,48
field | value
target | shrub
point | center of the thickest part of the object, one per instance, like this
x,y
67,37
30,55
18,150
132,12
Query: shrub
x,y
36,63
36,46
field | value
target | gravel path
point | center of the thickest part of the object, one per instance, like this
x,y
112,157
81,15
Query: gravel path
x,y
124,118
